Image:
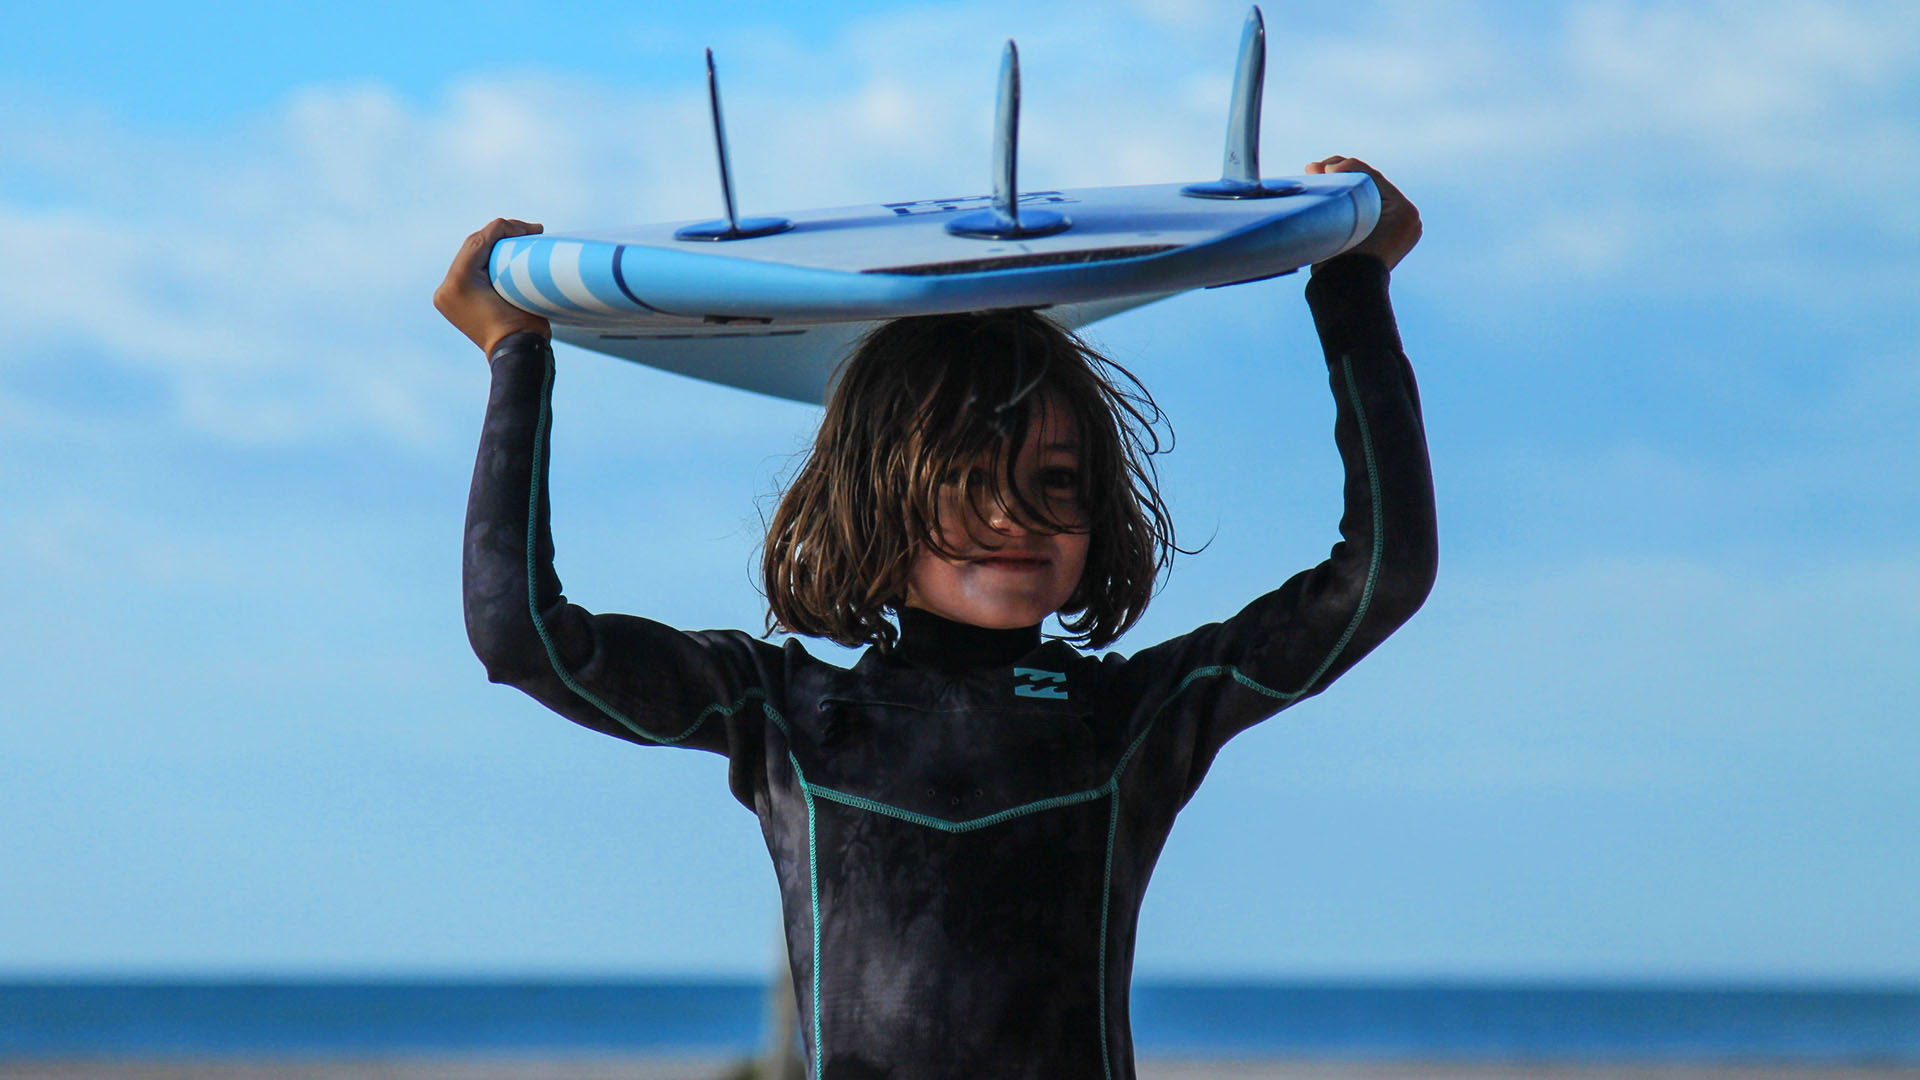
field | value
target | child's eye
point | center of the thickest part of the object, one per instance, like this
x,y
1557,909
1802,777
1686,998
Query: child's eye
x,y
1060,479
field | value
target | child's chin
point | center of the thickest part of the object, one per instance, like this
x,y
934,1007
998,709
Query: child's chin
x,y
1010,616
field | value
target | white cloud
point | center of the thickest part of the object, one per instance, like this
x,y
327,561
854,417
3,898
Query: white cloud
x,y
278,275
1627,149
1631,676
1738,70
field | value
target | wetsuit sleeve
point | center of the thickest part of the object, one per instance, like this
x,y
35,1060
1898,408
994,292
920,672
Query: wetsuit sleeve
x,y
629,677
1211,684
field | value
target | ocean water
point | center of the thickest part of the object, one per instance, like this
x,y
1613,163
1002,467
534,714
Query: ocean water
x,y
68,1019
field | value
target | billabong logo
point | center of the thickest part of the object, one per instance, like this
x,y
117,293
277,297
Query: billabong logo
x,y
1034,677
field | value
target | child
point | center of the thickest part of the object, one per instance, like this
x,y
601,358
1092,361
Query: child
x,y
963,824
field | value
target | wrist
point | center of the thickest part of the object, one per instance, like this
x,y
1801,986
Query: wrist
x,y
1354,260
501,335
519,340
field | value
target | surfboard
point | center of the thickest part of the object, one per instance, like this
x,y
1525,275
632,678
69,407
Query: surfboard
x,y
774,304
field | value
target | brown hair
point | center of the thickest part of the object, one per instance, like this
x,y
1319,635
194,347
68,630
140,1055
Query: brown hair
x,y
920,396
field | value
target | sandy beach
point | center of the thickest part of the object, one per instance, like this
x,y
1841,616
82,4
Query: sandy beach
x,y
659,1069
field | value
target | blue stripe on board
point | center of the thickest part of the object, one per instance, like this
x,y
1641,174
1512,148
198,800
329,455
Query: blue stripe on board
x,y
597,275
501,269
620,279
46,1020
540,269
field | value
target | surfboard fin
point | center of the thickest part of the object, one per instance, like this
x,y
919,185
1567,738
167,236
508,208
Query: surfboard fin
x,y
734,227
1240,169
1005,221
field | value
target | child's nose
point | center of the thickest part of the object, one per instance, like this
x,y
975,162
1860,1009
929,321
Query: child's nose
x,y
1002,520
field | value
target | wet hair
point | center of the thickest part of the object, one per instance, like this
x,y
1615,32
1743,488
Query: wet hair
x,y
918,402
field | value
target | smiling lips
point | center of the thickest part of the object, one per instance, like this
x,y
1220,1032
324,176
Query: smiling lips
x,y
1013,562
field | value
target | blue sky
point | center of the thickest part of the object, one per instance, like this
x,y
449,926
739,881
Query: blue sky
x,y
1656,720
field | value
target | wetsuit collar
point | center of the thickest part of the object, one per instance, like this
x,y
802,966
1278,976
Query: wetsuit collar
x,y
929,639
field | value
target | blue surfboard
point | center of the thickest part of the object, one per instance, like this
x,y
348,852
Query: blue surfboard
x,y
773,304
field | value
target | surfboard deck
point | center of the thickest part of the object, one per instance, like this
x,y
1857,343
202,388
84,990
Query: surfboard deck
x,y
776,313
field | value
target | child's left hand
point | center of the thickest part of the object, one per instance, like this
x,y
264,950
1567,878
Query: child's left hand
x,y
467,298
1399,226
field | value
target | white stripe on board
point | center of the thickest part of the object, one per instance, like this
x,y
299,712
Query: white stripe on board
x,y
564,265
500,264
523,280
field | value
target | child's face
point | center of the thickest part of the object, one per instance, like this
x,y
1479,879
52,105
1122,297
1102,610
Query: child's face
x,y
1011,574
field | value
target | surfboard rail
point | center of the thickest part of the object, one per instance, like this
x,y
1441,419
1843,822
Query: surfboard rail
x,y
1126,241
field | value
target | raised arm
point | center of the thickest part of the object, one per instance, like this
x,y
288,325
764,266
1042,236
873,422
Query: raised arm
x,y
1204,687
628,677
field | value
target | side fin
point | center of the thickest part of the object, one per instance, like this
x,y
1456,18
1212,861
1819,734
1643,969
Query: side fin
x,y
733,228
1240,166
1005,221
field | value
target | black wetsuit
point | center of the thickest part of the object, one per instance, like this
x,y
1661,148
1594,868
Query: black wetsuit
x,y
963,828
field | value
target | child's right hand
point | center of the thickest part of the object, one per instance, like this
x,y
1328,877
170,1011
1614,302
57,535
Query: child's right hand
x,y
467,297
1399,226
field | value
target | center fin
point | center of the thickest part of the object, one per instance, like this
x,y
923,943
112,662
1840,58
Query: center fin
x,y
1005,221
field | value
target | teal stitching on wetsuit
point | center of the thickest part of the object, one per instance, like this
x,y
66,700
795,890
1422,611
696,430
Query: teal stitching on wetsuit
x,y
810,791
813,886
1106,892
1379,526
1366,592
862,803
813,869
566,677
533,597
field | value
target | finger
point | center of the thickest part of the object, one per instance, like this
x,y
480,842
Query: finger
x,y
1388,193
477,252
499,227
497,230
477,246
1387,190
473,249
474,255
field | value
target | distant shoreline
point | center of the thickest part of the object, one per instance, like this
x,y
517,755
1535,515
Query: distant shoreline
x,y
650,1068
418,1028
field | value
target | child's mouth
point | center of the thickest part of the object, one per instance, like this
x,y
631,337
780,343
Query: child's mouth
x,y
1003,562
